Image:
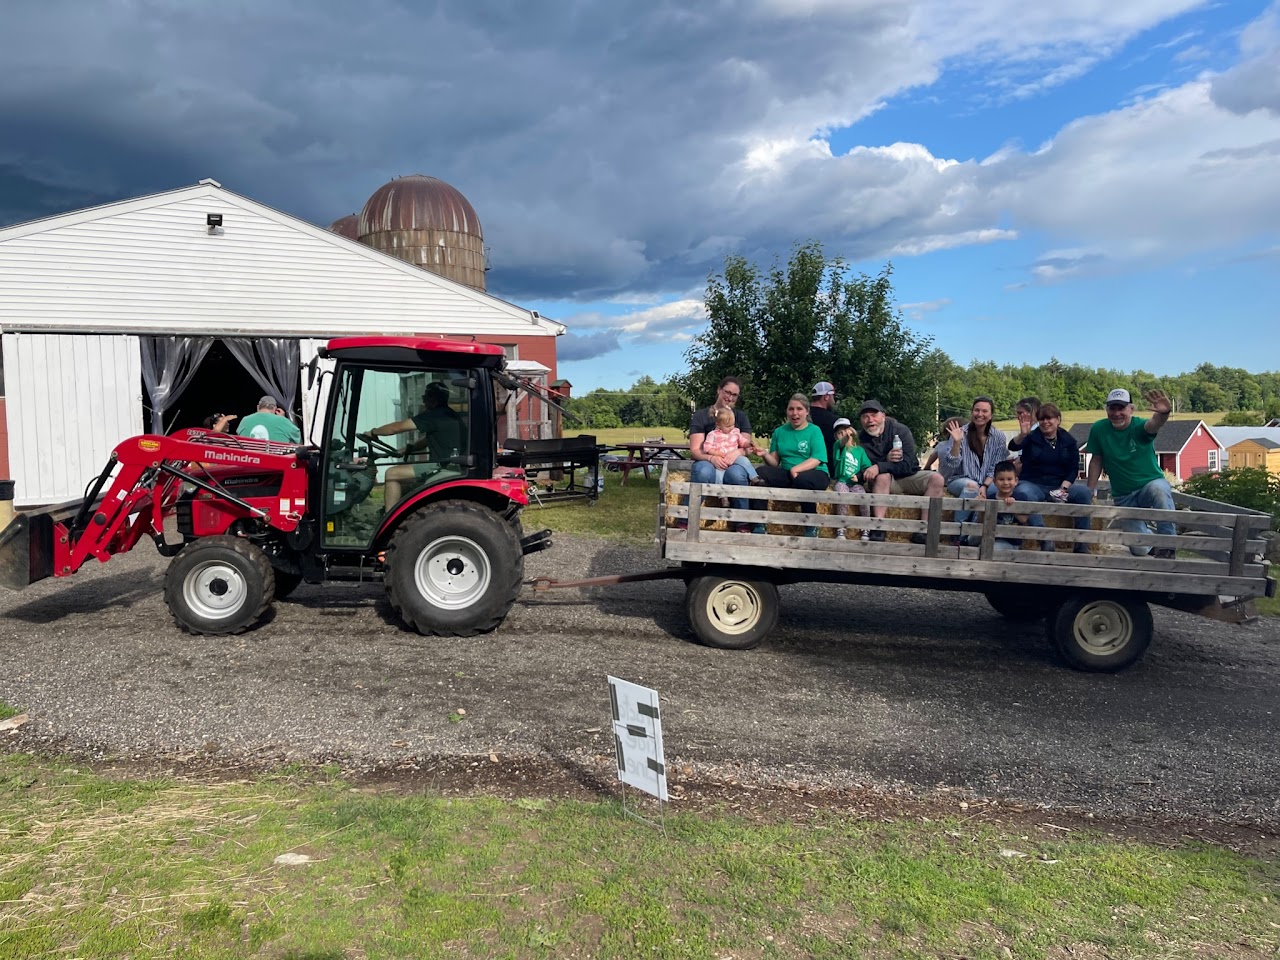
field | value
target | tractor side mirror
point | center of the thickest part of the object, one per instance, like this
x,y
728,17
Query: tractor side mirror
x,y
312,367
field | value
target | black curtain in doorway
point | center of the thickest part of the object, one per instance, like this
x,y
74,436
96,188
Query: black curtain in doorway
x,y
273,362
168,364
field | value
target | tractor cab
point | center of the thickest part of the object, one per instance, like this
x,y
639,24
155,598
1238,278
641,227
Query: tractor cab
x,y
405,416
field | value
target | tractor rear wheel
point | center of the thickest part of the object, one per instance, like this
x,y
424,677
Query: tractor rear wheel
x,y
454,569
219,586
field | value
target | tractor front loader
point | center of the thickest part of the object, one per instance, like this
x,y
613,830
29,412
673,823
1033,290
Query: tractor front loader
x,y
403,487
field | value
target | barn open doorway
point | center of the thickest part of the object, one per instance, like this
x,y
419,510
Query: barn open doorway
x,y
221,384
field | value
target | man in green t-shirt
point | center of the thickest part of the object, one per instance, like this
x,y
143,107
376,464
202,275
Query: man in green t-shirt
x,y
269,423
1124,446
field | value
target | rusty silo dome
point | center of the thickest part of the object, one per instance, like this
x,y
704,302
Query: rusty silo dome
x,y
428,223
348,226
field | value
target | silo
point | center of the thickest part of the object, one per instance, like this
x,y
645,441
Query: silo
x,y
428,223
348,226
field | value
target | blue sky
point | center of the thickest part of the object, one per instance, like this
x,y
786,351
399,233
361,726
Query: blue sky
x,y
1097,181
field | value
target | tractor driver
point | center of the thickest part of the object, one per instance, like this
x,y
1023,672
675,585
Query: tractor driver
x,y
443,436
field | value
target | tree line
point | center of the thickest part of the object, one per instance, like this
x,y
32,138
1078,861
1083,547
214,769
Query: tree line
x,y
783,329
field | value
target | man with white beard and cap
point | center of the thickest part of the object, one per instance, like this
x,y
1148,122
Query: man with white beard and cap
x,y
895,467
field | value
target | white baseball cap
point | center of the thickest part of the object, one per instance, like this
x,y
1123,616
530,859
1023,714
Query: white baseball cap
x,y
1118,395
823,388
842,422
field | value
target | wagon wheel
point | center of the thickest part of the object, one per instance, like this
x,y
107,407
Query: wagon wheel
x,y
1101,634
731,613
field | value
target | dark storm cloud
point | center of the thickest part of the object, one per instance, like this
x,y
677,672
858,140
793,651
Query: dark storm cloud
x,y
607,148
574,346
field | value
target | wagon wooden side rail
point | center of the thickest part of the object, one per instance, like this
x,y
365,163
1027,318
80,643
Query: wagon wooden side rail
x,y
1095,603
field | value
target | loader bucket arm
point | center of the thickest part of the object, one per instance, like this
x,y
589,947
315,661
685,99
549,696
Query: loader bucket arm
x,y
149,475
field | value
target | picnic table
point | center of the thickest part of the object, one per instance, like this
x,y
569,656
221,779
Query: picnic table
x,y
643,454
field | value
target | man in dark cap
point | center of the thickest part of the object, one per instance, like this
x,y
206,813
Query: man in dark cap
x,y
443,437
269,423
895,466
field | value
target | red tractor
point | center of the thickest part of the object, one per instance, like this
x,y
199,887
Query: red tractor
x,y
437,519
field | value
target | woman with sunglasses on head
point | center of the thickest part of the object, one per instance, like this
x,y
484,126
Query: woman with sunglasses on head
x,y
1050,468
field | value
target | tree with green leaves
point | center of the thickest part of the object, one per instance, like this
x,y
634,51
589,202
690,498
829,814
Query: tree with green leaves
x,y
811,319
1251,487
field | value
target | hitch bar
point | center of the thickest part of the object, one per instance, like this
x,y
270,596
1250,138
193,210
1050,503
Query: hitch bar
x,y
542,584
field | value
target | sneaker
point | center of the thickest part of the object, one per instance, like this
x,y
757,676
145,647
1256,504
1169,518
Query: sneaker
x,y
840,535
877,535
865,535
743,528
682,524
810,531
919,538
1080,548
758,482
759,528
724,503
1164,554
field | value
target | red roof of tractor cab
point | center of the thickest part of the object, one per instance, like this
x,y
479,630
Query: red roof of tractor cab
x,y
434,344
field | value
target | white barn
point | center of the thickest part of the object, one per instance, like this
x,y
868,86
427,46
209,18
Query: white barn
x,y
107,315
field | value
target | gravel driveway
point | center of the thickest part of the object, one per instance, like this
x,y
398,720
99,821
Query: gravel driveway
x,y
859,687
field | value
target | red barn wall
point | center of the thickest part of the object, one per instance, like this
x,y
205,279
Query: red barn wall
x,y
1195,455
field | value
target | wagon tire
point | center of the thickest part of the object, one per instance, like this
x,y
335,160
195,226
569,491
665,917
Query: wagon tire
x,y
1101,634
454,569
731,613
1021,605
219,586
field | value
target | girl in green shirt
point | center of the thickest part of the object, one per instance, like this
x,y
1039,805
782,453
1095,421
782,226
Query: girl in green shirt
x,y
851,460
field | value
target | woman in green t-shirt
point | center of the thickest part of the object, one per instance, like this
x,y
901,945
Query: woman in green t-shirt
x,y
797,455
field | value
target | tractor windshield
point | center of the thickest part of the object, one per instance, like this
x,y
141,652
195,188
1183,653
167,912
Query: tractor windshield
x,y
394,433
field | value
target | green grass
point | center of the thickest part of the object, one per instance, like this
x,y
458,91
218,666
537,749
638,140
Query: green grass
x,y
7,711
626,513
92,867
1269,606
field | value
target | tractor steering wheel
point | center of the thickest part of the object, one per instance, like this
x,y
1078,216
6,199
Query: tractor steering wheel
x,y
377,443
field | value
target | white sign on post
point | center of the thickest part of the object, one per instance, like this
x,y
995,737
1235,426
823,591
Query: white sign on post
x,y
637,737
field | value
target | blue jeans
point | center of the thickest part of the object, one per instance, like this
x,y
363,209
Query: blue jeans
x,y
967,489
736,475
1037,493
1156,495
743,462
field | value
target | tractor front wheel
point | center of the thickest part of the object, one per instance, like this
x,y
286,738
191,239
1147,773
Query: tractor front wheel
x,y
219,586
454,569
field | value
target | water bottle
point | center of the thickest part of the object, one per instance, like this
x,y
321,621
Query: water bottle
x,y
897,443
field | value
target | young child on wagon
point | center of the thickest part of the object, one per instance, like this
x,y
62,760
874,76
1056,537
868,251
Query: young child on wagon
x,y
1005,478
727,441
850,461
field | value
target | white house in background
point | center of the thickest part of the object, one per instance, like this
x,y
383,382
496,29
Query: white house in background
x,y
97,301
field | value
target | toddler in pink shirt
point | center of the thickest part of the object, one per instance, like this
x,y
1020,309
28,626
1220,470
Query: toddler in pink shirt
x,y
727,441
